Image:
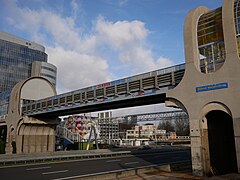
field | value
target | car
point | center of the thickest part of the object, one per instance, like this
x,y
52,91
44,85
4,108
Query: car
x,y
144,147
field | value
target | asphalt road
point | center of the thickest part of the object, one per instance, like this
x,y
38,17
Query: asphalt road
x,y
81,168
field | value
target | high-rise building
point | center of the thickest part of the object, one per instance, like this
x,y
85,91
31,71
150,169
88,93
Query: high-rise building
x,y
19,60
108,126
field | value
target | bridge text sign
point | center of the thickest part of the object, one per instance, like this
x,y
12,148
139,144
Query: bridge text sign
x,y
211,87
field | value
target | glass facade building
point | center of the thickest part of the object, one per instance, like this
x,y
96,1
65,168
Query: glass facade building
x,y
46,70
15,63
17,56
211,40
237,22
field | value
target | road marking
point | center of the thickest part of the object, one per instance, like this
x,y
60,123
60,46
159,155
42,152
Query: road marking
x,y
105,172
55,172
131,163
38,168
114,160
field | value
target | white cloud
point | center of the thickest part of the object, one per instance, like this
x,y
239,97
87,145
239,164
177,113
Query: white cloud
x,y
129,40
164,62
141,110
121,33
122,2
78,70
77,53
74,7
73,54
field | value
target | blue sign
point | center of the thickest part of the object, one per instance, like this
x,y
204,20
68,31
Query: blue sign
x,y
118,82
211,87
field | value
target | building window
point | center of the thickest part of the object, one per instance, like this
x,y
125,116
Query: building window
x,y
211,41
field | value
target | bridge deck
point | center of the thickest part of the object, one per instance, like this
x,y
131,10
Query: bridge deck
x,y
143,89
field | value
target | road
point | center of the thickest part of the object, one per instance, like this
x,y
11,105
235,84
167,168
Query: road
x,y
81,168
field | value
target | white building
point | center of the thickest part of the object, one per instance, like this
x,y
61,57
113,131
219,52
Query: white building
x,y
108,126
145,131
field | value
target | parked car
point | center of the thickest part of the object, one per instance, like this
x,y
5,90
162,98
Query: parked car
x,y
144,147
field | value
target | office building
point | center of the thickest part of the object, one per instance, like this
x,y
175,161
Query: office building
x,y
108,127
19,60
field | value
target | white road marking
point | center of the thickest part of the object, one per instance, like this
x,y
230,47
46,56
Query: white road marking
x,y
38,168
114,160
131,163
55,172
105,172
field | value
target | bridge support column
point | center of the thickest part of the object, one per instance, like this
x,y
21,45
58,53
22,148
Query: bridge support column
x,y
211,96
196,156
236,123
195,147
10,138
8,148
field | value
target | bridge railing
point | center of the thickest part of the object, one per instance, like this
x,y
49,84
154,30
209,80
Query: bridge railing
x,y
158,81
65,133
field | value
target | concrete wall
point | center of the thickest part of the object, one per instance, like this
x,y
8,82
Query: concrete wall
x,y
35,138
199,104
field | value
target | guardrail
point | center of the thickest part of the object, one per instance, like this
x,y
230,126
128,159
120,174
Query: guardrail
x,y
43,159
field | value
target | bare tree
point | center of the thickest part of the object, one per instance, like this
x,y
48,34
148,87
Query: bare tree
x,y
166,125
182,127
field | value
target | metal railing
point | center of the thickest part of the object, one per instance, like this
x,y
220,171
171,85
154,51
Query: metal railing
x,y
66,133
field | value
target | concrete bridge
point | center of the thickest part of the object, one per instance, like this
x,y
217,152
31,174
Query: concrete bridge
x,y
207,88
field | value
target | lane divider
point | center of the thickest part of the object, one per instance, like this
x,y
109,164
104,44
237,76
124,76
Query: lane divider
x,y
55,172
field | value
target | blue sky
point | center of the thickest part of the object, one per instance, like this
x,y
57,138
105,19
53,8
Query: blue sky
x,y
94,41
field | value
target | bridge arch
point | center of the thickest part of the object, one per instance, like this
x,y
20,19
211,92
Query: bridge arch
x,y
218,141
16,123
175,103
211,94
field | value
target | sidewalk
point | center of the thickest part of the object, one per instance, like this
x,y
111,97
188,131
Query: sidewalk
x,y
178,176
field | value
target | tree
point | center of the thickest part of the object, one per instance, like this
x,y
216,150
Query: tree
x,y
182,127
166,125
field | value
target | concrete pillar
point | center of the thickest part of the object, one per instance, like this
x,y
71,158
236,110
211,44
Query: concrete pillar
x,y
8,148
205,146
39,139
236,125
26,139
32,139
196,146
19,139
51,141
45,139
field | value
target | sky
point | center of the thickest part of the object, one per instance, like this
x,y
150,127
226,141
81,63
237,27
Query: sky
x,y
95,41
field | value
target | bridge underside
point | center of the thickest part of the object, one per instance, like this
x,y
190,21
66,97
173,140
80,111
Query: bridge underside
x,y
146,100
